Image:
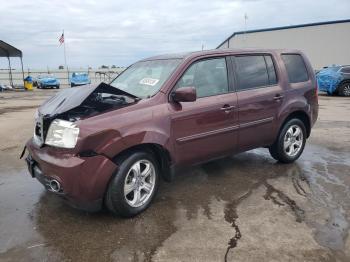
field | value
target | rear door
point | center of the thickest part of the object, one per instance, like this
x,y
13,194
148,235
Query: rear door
x,y
259,99
206,128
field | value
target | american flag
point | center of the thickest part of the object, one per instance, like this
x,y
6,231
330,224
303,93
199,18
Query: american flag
x,y
61,40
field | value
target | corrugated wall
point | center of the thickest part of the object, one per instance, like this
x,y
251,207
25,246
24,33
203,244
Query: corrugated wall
x,y
323,44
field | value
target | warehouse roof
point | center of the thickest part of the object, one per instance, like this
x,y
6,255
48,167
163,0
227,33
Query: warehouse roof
x,y
284,27
7,50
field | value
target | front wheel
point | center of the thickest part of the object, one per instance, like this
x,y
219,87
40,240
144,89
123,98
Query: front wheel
x,y
290,142
134,186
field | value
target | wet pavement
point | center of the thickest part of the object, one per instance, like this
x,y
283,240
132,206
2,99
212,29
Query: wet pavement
x,y
246,207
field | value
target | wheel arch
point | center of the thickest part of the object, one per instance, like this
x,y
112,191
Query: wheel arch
x,y
347,80
161,154
299,114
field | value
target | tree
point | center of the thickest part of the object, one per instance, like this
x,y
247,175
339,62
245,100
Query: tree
x,y
104,67
61,67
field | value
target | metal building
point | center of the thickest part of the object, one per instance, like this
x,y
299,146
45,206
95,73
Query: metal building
x,y
324,43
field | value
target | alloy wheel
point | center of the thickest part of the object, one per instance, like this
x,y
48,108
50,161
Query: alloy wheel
x,y
293,141
139,183
346,90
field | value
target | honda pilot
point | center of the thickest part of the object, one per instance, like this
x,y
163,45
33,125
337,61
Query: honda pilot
x,y
110,144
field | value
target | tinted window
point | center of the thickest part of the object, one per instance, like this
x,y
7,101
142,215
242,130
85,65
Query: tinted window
x,y
345,70
251,72
209,77
271,70
296,68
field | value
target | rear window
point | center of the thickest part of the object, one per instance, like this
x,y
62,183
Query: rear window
x,y
255,71
296,68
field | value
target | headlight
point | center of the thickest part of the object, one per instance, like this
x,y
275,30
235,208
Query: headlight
x,y
62,134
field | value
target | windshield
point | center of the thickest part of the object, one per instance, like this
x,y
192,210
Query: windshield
x,y
79,74
144,79
46,76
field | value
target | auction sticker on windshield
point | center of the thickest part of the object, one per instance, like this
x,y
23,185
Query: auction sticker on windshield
x,y
149,81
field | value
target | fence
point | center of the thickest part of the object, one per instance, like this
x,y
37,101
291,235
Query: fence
x,y
96,75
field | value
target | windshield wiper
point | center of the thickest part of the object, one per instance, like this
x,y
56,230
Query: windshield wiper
x,y
117,91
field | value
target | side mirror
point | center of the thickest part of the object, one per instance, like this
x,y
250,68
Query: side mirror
x,y
185,94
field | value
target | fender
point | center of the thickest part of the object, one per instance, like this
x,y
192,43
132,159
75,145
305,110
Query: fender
x,y
135,139
293,105
111,142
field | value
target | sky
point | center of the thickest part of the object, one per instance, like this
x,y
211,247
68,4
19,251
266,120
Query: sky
x,y
118,32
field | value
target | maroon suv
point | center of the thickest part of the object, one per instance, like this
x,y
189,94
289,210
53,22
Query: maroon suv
x,y
110,144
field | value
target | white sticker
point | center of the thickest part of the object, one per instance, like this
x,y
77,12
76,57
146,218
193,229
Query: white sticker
x,y
149,81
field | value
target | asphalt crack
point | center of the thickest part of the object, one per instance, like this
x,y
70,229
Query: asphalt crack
x,y
231,216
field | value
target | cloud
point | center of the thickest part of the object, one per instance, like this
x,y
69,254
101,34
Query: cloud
x,y
121,32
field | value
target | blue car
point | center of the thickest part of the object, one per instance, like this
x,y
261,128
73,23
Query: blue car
x,y
335,80
79,79
47,81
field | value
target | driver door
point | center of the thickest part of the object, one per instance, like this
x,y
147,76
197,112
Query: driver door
x,y
206,128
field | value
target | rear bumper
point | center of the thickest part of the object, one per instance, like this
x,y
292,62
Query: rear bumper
x,y
83,180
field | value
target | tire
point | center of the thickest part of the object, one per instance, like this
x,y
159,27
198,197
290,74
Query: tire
x,y
57,87
289,135
344,89
72,85
126,205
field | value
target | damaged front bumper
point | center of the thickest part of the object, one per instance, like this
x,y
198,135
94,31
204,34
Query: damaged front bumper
x,y
80,180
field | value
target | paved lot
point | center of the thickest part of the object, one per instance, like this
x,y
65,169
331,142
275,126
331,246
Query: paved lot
x,y
243,208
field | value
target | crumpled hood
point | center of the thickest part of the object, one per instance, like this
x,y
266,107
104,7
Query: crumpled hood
x,y
66,100
71,98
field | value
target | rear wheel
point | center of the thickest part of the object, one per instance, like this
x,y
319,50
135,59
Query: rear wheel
x,y
134,186
344,89
290,142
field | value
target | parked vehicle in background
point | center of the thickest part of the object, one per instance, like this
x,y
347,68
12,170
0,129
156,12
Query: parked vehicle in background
x,y
79,79
335,80
110,144
47,81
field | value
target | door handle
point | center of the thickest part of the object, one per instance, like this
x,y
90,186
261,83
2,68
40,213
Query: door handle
x,y
227,108
278,97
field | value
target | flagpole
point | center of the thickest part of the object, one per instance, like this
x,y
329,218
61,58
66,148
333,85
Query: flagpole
x,y
245,29
65,57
